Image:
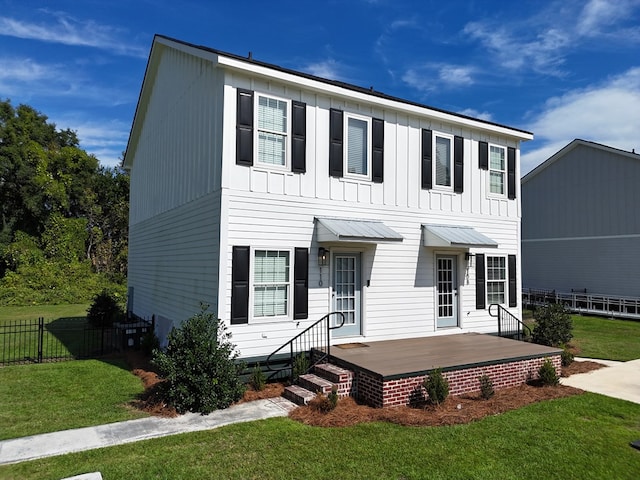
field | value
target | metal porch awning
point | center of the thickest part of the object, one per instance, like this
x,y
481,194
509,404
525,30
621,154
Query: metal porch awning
x,y
354,230
455,236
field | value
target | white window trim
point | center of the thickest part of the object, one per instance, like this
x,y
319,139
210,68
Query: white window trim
x,y
256,135
435,161
275,318
505,281
504,172
345,155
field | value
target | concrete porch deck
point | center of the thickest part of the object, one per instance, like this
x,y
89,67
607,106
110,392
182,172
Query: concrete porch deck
x,y
415,356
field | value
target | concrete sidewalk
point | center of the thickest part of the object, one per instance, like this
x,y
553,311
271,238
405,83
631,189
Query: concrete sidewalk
x,y
618,380
80,439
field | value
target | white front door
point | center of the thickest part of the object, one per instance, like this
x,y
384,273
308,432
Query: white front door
x,y
347,293
447,291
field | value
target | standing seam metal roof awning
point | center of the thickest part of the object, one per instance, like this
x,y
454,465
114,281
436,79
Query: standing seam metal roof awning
x,y
455,236
354,230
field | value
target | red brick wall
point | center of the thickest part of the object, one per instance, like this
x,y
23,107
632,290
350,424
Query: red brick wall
x,y
402,391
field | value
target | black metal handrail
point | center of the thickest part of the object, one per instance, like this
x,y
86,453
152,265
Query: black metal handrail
x,y
315,337
509,326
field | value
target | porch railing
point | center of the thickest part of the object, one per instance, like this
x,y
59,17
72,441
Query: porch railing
x,y
509,326
316,337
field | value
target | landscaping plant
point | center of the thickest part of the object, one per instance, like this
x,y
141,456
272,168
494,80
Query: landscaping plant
x,y
567,356
547,374
553,325
199,366
486,387
105,310
437,386
258,379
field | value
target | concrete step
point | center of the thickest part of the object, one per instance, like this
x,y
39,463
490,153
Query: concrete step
x,y
314,383
298,394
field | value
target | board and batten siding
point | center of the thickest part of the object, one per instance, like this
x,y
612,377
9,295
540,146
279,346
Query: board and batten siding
x,y
400,299
402,159
178,153
581,222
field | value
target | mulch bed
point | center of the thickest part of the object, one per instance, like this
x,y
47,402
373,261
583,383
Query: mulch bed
x,y
455,410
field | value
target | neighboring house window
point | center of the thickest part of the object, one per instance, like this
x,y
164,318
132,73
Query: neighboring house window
x,y
497,169
271,283
357,146
444,159
496,280
272,131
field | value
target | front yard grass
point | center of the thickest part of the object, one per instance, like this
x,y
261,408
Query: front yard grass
x,y
47,311
600,337
585,436
57,396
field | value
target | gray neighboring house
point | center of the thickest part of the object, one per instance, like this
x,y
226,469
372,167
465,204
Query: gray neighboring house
x,y
581,221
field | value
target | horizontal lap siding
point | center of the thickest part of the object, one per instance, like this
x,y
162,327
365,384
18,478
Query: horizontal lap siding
x,y
174,258
399,303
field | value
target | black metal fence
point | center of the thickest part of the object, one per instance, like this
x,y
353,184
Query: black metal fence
x,y
37,341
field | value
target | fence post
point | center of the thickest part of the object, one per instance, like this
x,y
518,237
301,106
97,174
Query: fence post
x,y
40,338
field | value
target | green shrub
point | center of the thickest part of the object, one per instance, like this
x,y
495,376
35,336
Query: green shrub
x,y
553,325
149,343
437,386
200,366
105,310
300,366
486,387
333,397
258,378
547,374
567,356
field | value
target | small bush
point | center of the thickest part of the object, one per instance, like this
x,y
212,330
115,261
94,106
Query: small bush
x,y
200,366
486,387
105,310
547,374
324,403
437,386
300,366
149,343
567,357
553,325
258,378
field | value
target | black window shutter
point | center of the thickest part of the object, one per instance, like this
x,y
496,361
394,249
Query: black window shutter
x,y
458,164
336,151
240,285
483,155
513,289
298,137
244,128
377,163
427,177
301,284
511,172
480,282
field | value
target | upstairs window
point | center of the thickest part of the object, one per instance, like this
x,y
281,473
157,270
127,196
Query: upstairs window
x,y
444,159
357,146
272,131
497,169
271,283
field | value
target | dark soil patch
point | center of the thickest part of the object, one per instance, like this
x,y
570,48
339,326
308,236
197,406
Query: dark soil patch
x,y
581,367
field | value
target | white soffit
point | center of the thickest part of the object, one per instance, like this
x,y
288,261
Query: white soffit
x,y
455,236
354,230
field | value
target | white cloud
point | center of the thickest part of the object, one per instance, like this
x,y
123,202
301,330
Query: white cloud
x,y
70,31
473,113
435,76
598,15
608,113
326,69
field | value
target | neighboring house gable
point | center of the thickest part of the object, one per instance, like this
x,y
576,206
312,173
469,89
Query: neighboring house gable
x,y
581,221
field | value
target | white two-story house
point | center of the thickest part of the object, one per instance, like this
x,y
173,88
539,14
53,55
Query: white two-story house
x,y
277,197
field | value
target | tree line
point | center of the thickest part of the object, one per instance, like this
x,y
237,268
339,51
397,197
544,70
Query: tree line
x,y
64,217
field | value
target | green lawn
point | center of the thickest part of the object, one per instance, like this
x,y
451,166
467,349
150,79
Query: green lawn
x,y
600,337
585,437
46,311
58,396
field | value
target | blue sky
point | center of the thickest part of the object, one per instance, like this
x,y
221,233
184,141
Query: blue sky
x,y
560,69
